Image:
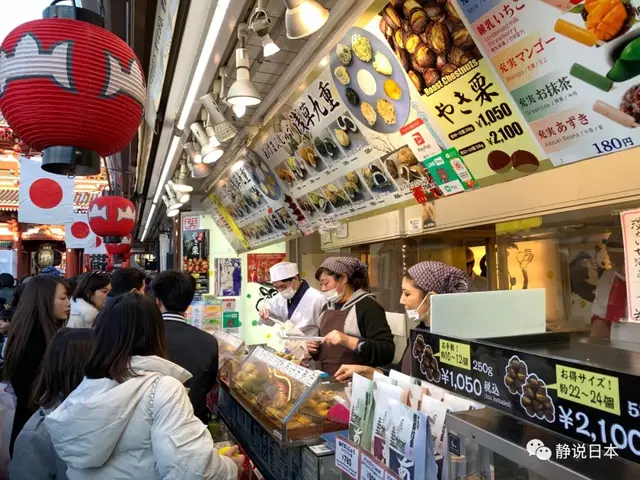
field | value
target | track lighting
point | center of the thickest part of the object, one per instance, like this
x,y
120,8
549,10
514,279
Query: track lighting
x,y
209,145
192,152
260,23
243,91
304,17
224,130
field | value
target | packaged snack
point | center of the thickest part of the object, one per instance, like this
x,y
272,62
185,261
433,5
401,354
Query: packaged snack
x,y
401,377
381,416
437,412
414,393
360,415
410,453
460,404
381,377
434,391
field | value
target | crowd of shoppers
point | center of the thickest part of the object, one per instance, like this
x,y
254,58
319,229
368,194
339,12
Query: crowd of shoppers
x,y
109,382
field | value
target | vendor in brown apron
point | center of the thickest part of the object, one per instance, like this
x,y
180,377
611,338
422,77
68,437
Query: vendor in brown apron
x,y
353,325
419,283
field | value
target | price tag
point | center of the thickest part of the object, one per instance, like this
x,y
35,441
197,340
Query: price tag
x,y
347,458
455,354
590,389
370,469
227,338
296,372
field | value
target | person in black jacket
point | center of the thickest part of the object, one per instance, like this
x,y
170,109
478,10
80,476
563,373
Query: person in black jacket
x,y
188,346
125,280
42,311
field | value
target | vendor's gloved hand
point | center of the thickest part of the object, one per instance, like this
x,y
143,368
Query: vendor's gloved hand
x,y
264,317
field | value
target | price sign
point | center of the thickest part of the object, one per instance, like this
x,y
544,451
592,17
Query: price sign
x,y
347,457
455,354
370,468
588,388
296,372
227,338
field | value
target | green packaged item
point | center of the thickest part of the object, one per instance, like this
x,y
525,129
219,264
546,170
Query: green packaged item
x,y
360,415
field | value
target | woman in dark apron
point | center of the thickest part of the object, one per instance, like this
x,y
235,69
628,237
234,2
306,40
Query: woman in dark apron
x,y
419,283
353,324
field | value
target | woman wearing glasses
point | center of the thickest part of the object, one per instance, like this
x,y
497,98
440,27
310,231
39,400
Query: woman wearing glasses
x,y
88,299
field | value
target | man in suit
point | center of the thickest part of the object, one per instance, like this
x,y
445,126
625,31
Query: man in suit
x,y
187,346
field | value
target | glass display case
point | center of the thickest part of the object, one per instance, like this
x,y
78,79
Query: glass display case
x,y
293,404
228,345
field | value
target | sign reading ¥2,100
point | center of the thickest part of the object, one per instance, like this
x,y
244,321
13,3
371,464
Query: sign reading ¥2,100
x,y
587,403
572,69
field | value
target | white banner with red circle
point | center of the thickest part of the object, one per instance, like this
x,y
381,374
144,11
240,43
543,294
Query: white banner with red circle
x,y
78,234
44,198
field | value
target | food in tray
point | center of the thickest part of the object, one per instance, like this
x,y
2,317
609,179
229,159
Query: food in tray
x,y
406,156
387,111
366,82
392,89
342,75
347,124
361,47
332,148
381,64
344,54
368,113
342,137
352,96
319,144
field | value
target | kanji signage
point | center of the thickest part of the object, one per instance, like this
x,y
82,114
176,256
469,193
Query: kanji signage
x,y
631,236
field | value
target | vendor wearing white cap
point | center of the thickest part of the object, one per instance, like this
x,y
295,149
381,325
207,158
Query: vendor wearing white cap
x,y
296,300
610,304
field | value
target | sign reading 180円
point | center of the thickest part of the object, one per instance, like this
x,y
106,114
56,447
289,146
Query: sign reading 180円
x,y
588,403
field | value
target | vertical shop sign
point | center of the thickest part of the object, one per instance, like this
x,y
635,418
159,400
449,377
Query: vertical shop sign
x,y
195,258
631,235
228,277
258,265
571,67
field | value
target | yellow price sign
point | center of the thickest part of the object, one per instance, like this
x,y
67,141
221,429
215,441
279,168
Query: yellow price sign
x,y
455,354
595,390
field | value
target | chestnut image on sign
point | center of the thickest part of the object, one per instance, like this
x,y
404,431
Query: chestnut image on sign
x,y
429,365
499,161
536,401
524,161
516,375
419,346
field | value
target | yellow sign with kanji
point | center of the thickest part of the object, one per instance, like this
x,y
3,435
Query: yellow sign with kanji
x,y
595,390
455,354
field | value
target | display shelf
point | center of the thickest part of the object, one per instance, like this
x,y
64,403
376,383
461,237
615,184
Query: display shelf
x,y
508,437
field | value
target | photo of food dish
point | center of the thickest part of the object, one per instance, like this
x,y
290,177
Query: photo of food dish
x,y
376,89
312,160
354,187
347,133
262,175
297,167
377,179
307,207
403,166
430,42
284,173
285,218
336,195
255,199
319,201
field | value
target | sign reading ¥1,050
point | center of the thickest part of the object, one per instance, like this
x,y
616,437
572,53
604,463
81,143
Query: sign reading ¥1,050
x,y
587,403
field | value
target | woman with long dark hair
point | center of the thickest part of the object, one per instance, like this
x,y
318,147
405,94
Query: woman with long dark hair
x,y
88,299
42,310
132,413
62,371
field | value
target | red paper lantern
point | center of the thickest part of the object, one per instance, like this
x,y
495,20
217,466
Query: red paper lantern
x,y
122,248
111,217
71,90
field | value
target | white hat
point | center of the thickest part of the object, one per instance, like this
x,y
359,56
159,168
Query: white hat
x,y
283,271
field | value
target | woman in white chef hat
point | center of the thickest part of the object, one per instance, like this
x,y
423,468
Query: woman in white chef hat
x,y
296,300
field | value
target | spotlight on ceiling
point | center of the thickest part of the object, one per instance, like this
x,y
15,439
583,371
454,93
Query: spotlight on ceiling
x,y
243,91
171,195
209,145
239,110
199,170
223,128
260,23
181,183
193,152
304,17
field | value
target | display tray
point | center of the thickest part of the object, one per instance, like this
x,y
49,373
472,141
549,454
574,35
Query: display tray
x,y
508,437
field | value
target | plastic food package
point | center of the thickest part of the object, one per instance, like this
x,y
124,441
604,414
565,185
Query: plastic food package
x,y
401,377
360,415
434,391
414,393
411,455
381,416
459,404
437,412
381,377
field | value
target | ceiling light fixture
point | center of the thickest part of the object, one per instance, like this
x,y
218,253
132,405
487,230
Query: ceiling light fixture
x,y
146,226
304,17
237,166
181,184
239,110
199,170
223,128
173,199
183,197
243,91
192,152
205,56
172,212
209,145
260,23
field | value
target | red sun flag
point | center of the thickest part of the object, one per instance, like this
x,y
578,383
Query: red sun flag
x,y
78,234
44,198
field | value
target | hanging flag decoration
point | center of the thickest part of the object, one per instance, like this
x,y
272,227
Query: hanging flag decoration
x,y
78,233
97,249
44,198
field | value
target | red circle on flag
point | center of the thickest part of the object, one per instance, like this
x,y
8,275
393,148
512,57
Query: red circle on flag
x,y
98,241
45,193
80,230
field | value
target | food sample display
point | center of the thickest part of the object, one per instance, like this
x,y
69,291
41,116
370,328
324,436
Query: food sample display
x,y
291,402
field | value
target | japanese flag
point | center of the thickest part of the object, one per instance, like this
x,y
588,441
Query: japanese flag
x,y
98,247
78,234
44,198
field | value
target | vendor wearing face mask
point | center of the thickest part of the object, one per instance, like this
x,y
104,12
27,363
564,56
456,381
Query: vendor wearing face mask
x,y
353,324
296,300
419,283
610,304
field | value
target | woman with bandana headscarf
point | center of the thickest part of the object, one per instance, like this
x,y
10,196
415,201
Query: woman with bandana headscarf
x,y
419,283
353,324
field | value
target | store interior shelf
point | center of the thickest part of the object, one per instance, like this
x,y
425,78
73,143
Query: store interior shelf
x,y
505,435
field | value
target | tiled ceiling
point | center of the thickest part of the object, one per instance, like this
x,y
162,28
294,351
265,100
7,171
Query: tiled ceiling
x,y
265,72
